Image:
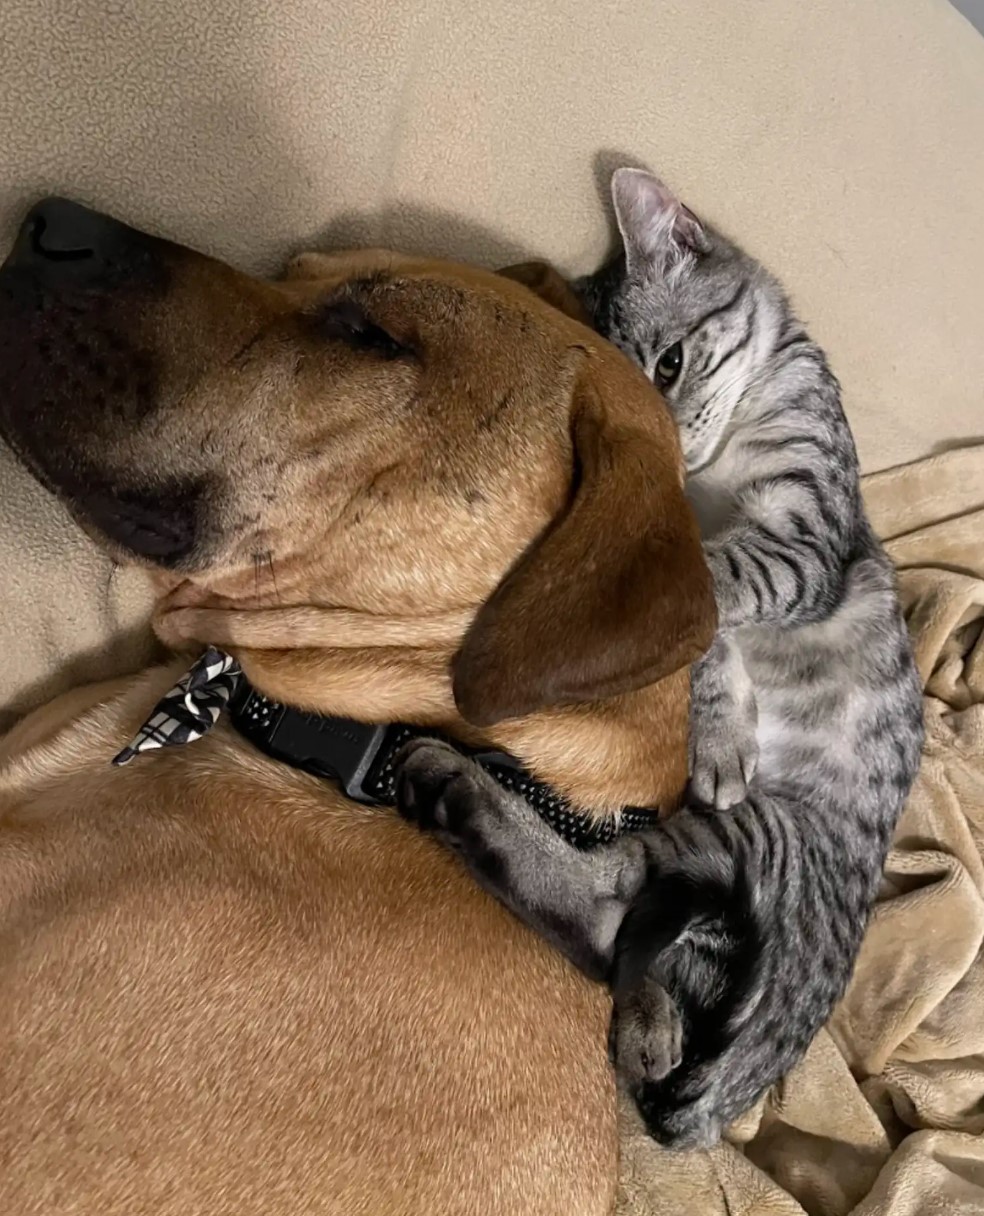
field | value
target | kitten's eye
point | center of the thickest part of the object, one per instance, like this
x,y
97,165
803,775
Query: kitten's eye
x,y
669,365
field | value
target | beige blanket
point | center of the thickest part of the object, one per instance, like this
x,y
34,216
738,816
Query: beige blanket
x,y
886,1114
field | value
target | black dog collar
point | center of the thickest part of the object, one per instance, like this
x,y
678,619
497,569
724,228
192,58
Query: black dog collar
x,y
360,756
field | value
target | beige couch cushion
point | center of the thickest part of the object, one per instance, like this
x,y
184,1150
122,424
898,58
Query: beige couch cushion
x,y
840,141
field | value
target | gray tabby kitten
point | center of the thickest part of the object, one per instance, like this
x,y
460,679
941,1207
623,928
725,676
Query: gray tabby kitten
x,y
728,933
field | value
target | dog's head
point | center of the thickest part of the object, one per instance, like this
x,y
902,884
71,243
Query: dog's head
x,y
394,437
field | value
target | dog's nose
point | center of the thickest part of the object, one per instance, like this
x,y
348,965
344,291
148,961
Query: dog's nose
x,y
61,230
62,242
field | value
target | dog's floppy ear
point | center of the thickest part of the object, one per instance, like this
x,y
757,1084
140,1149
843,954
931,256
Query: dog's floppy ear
x,y
550,285
615,594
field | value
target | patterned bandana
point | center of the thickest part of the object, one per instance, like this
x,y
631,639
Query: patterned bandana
x,y
191,708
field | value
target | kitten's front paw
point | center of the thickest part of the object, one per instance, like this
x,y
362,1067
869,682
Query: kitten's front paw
x,y
437,787
723,760
646,1036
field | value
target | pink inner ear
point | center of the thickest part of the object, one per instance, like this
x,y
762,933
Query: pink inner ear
x,y
651,218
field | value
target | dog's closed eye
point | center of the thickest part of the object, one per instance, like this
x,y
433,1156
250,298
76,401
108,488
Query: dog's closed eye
x,y
345,318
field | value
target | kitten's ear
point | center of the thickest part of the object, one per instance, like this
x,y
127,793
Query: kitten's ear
x,y
615,594
655,225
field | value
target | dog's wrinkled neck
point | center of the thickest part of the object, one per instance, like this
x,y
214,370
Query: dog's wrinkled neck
x,y
387,669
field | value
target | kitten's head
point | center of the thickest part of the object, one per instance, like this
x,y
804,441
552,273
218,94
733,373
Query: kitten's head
x,y
696,313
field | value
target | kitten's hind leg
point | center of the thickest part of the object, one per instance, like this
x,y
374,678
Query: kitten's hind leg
x,y
647,1031
646,1036
723,722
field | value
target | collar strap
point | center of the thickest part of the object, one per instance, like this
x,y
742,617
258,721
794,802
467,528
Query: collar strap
x,y
362,758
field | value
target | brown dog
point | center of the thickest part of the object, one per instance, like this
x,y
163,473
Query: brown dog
x,y
226,989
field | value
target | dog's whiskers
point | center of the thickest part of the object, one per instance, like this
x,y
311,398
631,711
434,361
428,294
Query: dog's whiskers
x,y
273,575
264,562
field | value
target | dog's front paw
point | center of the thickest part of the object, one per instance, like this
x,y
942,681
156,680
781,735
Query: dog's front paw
x,y
646,1036
723,759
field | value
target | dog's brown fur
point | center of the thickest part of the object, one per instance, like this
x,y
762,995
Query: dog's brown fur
x,y
226,990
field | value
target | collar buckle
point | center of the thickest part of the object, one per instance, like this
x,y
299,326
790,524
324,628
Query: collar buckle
x,y
336,748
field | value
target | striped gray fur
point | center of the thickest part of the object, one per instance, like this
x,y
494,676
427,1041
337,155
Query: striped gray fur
x,y
729,933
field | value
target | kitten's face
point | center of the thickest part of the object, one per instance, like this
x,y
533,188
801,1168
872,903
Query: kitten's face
x,y
692,310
